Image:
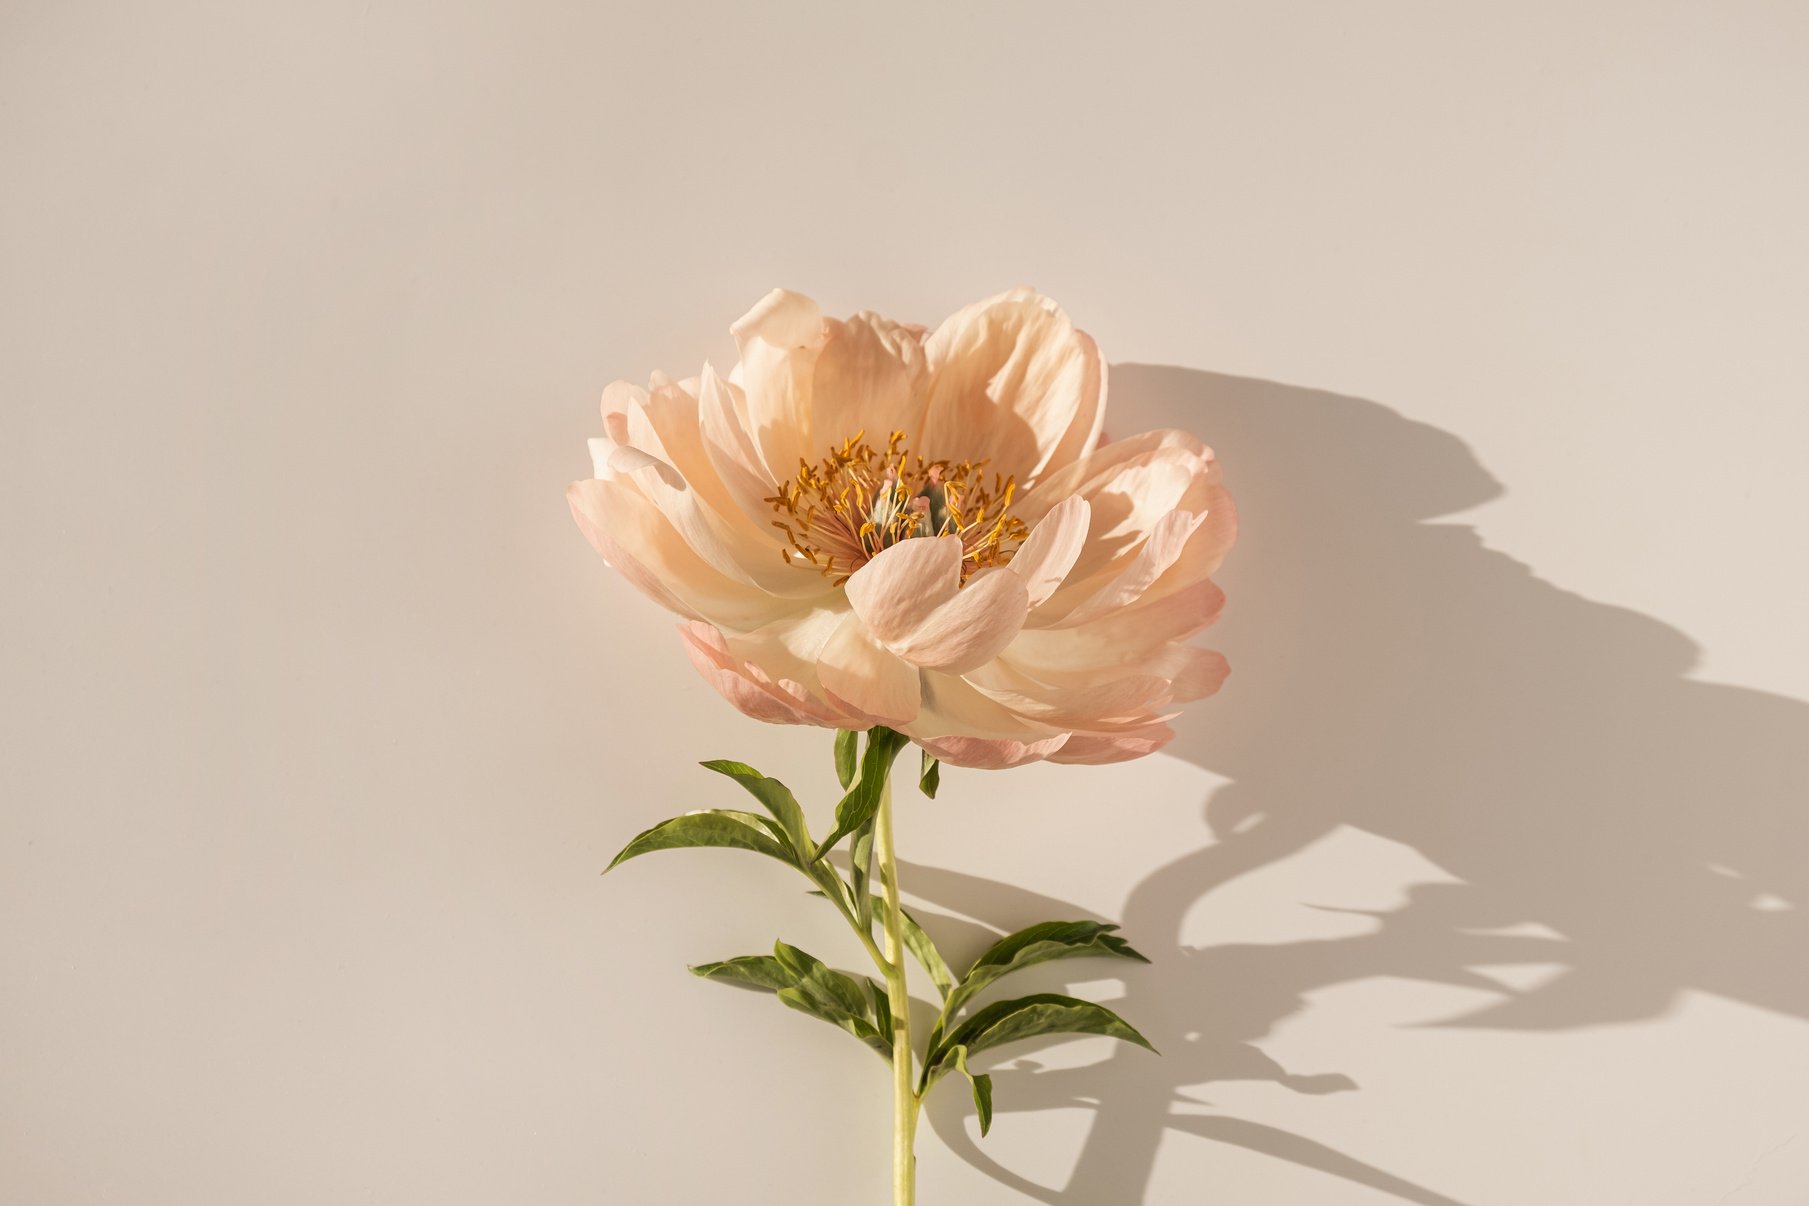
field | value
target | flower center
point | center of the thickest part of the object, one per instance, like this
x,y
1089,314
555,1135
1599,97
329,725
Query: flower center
x,y
838,514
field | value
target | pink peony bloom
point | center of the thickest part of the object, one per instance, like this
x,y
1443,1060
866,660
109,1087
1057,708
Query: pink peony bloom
x,y
869,523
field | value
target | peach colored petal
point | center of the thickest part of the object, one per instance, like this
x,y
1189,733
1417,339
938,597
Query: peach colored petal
x,y
972,628
1092,472
780,340
1118,747
702,531
634,536
1044,559
901,588
1197,673
1087,429
751,689
953,707
1159,551
1010,377
673,415
872,377
1100,705
1120,638
991,753
590,514
1206,549
864,679
729,543
731,450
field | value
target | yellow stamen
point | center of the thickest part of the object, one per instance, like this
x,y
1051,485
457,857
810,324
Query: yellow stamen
x,y
841,512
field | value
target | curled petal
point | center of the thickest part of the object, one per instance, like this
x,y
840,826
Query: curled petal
x,y
972,628
632,534
751,689
992,753
901,588
1120,639
1046,557
731,450
780,339
870,377
1098,704
1010,380
1159,551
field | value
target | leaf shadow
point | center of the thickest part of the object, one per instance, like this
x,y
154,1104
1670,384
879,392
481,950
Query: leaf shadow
x,y
1395,675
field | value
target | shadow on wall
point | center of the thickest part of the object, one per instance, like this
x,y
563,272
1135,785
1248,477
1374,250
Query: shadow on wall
x,y
1393,674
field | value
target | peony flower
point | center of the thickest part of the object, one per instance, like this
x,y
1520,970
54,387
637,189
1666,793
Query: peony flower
x,y
867,523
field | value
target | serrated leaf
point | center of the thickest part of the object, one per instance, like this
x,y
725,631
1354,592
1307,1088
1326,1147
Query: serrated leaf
x,y
982,1086
1044,942
862,800
847,751
773,795
1032,1017
752,971
929,779
719,827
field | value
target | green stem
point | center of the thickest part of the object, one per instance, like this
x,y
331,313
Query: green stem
x,y
905,1102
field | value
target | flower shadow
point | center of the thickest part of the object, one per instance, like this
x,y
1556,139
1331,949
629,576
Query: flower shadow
x,y
1394,675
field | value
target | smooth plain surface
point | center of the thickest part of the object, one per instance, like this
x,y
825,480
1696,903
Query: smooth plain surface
x,y
1483,882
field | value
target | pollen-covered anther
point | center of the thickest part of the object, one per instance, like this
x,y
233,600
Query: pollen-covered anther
x,y
839,513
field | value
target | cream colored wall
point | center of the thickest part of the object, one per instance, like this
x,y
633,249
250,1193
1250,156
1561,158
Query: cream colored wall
x,y
1483,882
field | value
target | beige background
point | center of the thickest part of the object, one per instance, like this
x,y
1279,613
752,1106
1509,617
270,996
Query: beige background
x,y
1483,882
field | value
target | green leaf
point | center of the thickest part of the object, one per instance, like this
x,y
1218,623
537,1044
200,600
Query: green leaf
x,y
919,944
860,1028
862,800
882,1010
830,995
751,971
929,780
1031,1017
860,871
982,1085
773,795
719,827
1041,943
828,988
847,749
801,981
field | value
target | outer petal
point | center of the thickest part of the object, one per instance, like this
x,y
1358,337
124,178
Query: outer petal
x,y
864,679
1162,548
780,339
1121,639
1010,379
1118,747
634,537
1099,705
731,449
750,688
953,707
991,753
